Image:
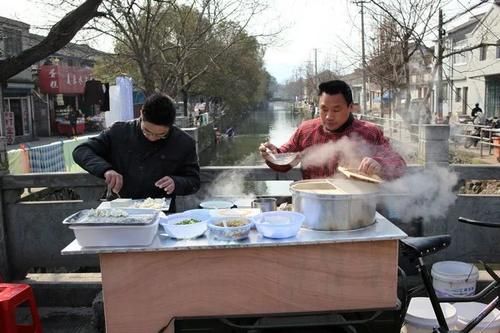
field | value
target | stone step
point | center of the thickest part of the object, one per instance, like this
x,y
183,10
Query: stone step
x,y
64,289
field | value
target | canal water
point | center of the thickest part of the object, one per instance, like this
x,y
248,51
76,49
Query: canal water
x,y
275,124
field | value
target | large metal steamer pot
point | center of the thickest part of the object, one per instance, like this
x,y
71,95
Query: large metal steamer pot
x,y
335,204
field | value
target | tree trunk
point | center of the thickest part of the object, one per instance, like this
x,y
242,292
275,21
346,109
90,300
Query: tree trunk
x,y
381,101
407,83
185,96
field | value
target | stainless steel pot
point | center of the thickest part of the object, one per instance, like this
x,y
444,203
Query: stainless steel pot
x,y
335,204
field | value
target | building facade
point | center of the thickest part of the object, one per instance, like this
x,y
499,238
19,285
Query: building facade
x,y
474,75
37,100
16,118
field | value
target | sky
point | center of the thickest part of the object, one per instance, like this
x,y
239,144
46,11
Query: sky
x,y
332,27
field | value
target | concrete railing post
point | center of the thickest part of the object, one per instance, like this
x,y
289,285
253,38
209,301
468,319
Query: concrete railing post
x,y
4,170
433,146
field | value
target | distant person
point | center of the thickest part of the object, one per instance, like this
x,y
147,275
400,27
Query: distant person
x,y
218,135
144,157
312,109
230,132
73,115
336,122
476,110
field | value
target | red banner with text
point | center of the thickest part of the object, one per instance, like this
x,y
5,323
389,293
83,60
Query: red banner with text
x,y
56,79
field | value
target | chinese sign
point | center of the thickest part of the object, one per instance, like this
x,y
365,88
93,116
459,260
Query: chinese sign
x,y
10,130
57,79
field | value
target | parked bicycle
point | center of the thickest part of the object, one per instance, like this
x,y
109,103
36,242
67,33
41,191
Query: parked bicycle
x,y
416,248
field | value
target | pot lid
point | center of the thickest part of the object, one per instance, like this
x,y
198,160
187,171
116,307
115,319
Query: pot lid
x,y
354,173
334,186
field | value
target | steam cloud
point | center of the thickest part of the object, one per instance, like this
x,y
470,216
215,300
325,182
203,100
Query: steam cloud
x,y
348,150
427,194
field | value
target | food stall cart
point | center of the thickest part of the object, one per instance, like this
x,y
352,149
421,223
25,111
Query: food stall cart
x,y
146,288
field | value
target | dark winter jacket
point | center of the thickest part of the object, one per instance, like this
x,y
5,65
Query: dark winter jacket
x,y
123,148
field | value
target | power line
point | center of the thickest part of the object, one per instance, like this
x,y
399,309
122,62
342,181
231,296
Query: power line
x,y
480,21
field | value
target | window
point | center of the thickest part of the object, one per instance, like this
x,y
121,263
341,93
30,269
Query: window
x,y
459,58
12,42
458,94
482,53
498,48
445,91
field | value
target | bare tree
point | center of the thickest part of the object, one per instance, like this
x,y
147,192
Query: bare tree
x,y
411,22
169,45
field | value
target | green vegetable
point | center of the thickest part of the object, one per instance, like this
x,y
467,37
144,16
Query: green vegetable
x,y
187,221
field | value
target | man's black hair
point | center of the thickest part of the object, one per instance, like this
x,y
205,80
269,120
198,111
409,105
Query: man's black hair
x,y
159,109
336,87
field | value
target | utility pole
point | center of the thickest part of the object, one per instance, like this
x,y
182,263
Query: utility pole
x,y
439,63
316,66
363,59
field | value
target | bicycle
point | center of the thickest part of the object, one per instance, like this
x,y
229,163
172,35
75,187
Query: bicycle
x,y
416,248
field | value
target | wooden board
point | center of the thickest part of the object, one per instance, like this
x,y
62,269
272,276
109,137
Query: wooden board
x,y
144,290
353,173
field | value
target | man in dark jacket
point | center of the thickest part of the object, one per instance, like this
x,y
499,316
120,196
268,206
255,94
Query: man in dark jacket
x,y
145,157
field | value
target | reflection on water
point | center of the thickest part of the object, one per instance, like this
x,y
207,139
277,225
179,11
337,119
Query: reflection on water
x,y
276,125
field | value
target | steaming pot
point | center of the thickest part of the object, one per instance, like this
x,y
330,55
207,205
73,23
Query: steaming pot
x,y
335,204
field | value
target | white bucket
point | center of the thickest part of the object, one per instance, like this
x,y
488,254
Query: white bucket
x,y
420,317
454,278
469,310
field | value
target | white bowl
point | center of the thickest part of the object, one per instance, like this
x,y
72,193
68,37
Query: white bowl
x,y
234,212
199,213
278,224
229,233
183,231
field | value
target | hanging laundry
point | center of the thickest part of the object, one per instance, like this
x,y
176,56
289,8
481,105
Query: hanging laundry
x,y
47,158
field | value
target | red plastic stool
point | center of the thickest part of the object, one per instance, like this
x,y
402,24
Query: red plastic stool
x,y
11,296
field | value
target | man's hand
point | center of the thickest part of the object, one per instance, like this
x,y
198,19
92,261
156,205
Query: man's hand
x,y
370,166
265,148
114,180
167,184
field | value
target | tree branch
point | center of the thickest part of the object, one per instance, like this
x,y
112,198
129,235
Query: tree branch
x,y
470,48
60,35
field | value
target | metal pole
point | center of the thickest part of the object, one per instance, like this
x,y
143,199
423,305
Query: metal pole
x,y
363,54
439,88
316,81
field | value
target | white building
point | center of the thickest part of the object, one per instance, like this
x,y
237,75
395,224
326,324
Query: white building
x,y
474,75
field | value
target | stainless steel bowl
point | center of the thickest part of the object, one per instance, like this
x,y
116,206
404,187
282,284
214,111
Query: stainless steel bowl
x,y
335,204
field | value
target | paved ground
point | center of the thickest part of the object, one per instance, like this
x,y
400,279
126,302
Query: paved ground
x,y
62,320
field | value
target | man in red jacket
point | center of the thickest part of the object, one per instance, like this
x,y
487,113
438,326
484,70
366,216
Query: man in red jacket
x,y
336,137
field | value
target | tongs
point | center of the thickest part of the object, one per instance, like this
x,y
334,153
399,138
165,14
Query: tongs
x,y
110,195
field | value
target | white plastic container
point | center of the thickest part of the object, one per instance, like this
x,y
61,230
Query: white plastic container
x,y
278,224
454,278
420,317
469,310
131,235
121,203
